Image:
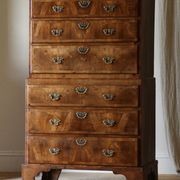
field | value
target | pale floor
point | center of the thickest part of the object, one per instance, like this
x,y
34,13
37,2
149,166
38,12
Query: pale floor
x,y
84,176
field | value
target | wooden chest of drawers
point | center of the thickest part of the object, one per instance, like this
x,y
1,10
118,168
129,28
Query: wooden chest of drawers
x,y
90,95
85,58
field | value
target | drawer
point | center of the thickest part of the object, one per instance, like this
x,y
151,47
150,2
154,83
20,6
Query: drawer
x,y
83,95
84,8
83,120
85,58
82,150
81,30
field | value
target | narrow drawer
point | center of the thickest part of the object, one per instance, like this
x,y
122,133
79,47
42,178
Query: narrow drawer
x,y
85,58
83,95
84,8
83,120
82,150
81,30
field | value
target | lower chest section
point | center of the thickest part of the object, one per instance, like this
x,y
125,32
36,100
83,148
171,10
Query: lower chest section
x,y
84,149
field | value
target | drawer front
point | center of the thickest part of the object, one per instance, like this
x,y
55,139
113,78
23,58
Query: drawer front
x,y
83,120
95,96
84,30
84,8
82,150
85,58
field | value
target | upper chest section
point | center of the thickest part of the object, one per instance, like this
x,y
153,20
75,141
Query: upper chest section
x,y
84,8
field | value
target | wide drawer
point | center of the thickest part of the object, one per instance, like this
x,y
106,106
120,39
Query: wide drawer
x,y
82,150
83,95
84,8
83,120
85,58
80,30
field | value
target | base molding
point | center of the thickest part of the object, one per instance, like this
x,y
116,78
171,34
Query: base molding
x,y
11,160
148,172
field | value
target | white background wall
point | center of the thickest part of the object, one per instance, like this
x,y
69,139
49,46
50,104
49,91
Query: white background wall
x,y
13,71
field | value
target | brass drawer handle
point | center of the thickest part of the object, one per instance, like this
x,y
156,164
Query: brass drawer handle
x,y
81,90
109,122
58,60
108,60
81,115
108,97
57,32
57,9
83,50
108,152
81,141
84,3
54,151
55,96
83,25
55,122
109,8
109,31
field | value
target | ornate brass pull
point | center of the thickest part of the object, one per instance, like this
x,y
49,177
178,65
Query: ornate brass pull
x,y
81,90
108,97
83,25
109,122
84,3
55,122
57,9
54,151
58,60
55,96
109,8
81,141
108,60
81,115
57,32
83,50
108,152
109,31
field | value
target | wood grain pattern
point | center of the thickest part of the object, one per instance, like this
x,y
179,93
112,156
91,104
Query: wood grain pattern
x,y
84,81
125,59
101,76
126,121
131,173
122,96
43,8
91,153
124,30
126,34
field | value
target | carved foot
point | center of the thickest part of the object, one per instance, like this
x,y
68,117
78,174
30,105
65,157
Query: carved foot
x,y
130,174
148,172
29,172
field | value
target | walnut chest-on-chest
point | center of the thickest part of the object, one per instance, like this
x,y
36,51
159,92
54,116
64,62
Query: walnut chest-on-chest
x,y
90,95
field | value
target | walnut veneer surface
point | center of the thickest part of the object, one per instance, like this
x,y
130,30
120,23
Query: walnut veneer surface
x,y
90,95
